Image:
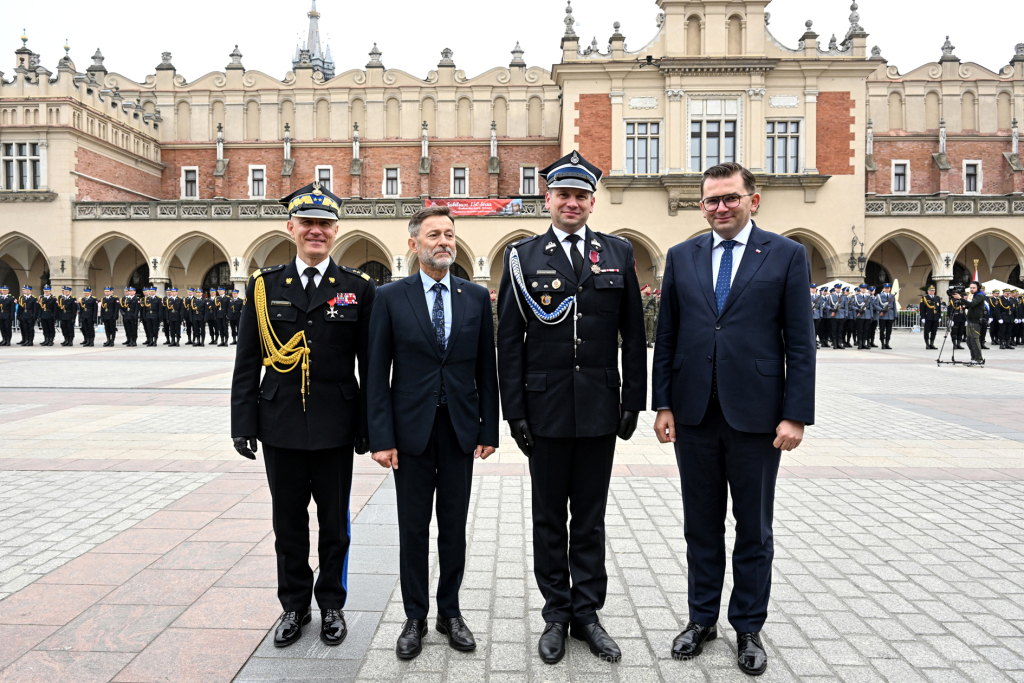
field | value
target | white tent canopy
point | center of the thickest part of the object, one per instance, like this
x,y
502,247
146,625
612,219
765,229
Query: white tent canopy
x,y
832,283
992,285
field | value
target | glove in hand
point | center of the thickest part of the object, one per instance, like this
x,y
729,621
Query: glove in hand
x,y
246,446
521,433
627,424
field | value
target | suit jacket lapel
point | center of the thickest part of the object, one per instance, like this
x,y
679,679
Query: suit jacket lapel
x,y
588,237
458,313
558,260
754,254
295,293
417,299
702,265
325,290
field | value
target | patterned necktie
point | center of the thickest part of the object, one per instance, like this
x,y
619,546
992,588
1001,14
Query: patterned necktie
x,y
310,274
438,320
574,254
724,275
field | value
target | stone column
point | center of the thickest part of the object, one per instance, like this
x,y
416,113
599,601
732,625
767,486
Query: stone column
x,y
811,131
161,284
618,153
755,129
675,129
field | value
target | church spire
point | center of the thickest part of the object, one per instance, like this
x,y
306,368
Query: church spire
x,y
313,42
320,59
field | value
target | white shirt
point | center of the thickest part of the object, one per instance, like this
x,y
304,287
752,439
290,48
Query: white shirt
x,y
301,266
566,245
446,300
737,252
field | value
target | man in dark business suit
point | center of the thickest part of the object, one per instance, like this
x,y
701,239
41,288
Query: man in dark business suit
x,y
432,339
733,384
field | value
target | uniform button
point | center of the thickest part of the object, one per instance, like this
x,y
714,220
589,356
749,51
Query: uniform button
x,y
309,322
435,393
709,359
579,316
579,289
577,368
717,326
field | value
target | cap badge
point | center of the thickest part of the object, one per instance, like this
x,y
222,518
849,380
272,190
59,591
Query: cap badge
x,y
575,158
316,188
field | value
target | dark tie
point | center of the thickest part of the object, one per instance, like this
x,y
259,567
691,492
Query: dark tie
x,y
574,255
310,274
438,319
724,274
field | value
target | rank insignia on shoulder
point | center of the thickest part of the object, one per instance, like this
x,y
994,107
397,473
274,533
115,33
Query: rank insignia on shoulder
x,y
546,299
550,248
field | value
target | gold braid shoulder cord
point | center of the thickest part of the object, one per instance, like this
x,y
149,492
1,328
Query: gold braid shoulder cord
x,y
282,357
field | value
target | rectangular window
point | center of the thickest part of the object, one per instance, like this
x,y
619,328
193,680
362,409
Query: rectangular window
x,y
391,184
21,166
190,183
257,182
695,147
643,147
972,177
782,147
459,184
323,176
713,132
899,178
529,184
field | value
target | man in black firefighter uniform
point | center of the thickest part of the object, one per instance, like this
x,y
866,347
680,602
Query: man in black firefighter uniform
x,y
131,309
49,315
109,310
199,306
313,318
234,314
565,298
223,304
186,313
88,310
931,312
173,310
7,304
28,313
210,317
68,306
152,304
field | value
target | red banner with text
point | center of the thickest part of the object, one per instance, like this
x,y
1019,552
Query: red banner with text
x,y
480,207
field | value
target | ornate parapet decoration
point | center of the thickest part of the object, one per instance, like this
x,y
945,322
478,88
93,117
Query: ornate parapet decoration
x,y
10,197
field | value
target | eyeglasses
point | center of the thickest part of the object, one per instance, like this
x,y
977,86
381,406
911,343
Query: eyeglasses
x,y
731,201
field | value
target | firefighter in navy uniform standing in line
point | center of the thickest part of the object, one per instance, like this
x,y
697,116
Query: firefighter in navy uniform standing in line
x,y
131,309
109,310
565,298
88,313
7,304
235,314
28,313
199,306
153,306
186,313
69,308
210,317
931,312
48,315
307,323
174,308
223,304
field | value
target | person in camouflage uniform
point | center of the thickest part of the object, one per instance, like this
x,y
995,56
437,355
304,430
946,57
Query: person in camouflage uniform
x,y
651,303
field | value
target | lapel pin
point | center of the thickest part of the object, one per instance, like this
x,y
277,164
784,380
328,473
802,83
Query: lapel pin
x,y
288,281
332,279
550,248
459,291
758,251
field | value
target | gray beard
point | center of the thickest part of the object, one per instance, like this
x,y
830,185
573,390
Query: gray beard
x,y
432,262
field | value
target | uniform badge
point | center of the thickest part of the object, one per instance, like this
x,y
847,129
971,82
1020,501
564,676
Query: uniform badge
x,y
546,299
575,158
331,279
287,280
556,284
594,258
550,248
596,245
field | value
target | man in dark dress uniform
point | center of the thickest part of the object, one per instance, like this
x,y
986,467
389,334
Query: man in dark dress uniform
x,y
28,313
312,317
173,309
131,309
7,304
153,304
211,315
68,306
223,304
186,315
88,310
931,312
109,310
234,314
565,298
48,315
199,306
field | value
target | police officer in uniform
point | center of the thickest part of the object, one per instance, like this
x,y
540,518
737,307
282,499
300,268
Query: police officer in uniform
x,y
860,308
131,310
28,313
173,310
223,304
7,304
234,315
88,312
816,314
886,306
313,317
849,322
565,298
930,313
109,310
835,313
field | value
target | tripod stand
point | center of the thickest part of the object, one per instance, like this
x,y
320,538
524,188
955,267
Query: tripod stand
x,y
952,358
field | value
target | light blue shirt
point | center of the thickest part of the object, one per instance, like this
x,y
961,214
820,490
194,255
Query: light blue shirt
x,y
737,252
446,294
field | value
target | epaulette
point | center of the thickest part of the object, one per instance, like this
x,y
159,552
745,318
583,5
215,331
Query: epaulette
x,y
618,237
356,272
524,241
269,269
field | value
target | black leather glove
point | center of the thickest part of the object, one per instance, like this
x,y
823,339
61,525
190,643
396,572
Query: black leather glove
x,y
246,446
521,433
362,445
627,424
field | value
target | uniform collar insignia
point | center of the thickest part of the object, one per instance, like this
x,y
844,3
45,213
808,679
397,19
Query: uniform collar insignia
x,y
596,245
287,280
331,279
550,248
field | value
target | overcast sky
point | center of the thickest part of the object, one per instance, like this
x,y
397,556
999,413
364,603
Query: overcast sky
x,y
412,33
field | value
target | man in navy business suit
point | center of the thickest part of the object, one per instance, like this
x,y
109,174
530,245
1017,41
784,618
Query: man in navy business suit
x,y
733,386
432,395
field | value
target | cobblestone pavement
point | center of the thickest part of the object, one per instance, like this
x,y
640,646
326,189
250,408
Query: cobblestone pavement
x,y
50,518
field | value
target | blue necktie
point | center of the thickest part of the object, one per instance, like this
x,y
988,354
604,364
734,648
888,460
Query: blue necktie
x,y
438,319
724,275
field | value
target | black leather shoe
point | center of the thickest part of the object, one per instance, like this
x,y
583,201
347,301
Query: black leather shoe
x,y
290,628
690,642
750,654
552,642
410,643
332,626
601,644
459,636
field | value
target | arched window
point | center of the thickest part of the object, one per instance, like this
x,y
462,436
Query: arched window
x,y
459,271
184,114
931,111
252,121
359,117
693,36
735,35
535,118
464,120
428,113
1004,113
380,273
140,278
218,276
218,118
287,117
392,119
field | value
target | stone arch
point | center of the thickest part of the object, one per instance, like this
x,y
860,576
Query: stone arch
x,y
910,246
1012,242
110,248
735,34
650,274
348,239
830,258
32,263
189,252
256,256
694,34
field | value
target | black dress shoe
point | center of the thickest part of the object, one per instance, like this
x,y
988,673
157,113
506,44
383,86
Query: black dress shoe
x,y
410,642
750,654
459,636
552,642
601,644
290,628
690,642
332,626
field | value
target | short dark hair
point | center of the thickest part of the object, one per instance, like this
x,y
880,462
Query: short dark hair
x,y
423,214
728,170
975,282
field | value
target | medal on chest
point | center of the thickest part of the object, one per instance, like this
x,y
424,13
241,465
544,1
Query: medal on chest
x,y
346,299
594,258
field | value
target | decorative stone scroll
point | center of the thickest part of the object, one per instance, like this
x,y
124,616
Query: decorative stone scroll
x,y
783,101
643,102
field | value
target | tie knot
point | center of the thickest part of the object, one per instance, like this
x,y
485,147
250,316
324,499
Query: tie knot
x,y
728,244
310,272
438,287
573,238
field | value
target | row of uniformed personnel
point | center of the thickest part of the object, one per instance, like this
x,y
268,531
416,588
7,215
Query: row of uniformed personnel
x,y
219,312
856,314
1003,322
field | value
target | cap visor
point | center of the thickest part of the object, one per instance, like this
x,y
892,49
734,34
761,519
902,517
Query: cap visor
x,y
316,213
571,182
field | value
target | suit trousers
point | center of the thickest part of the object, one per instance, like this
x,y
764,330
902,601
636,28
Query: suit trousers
x,y
930,329
174,330
715,459
571,476
860,327
836,332
446,469
49,329
88,329
885,331
110,328
294,476
5,331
